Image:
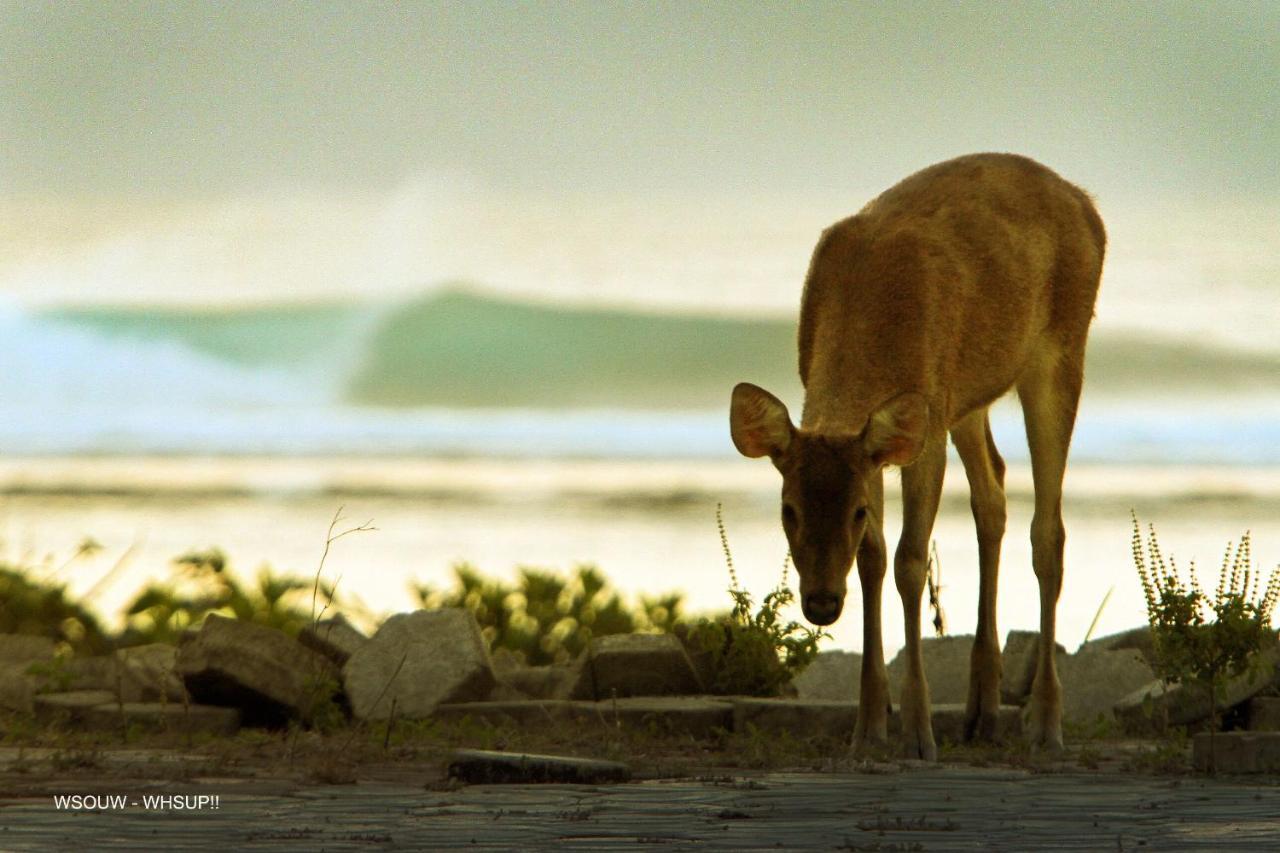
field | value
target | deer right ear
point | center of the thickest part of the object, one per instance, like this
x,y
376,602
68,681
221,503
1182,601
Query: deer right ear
x,y
758,422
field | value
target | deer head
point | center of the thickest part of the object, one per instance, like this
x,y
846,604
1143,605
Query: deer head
x,y
824,482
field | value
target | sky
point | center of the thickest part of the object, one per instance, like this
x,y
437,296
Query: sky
x,y
661,148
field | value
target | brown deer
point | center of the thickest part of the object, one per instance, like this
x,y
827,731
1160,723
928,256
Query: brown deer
x,y
970,278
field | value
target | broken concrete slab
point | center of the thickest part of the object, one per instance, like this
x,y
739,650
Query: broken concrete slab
x,y
626,665
1263,714
486,767
17,687
517,712
1145,710
1237,752
267,674
948,722
1140,639
162,716
416,662
1018,663
833,676
19,651
335,638
946,668
149,673
802,718
1095,678
70,707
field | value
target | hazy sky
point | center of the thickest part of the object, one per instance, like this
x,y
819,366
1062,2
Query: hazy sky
x,y
190,98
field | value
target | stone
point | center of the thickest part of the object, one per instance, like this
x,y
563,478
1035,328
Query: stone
x,y
625,665
833,676
1095,678
416,662
485,767
948,722
22,649
1263,714
149,673
1144,710
96,672
335,638
1018,662
694,716
1237,752
550,681
946,668
268,675
801,718
17,687
162,716
69,707
1140,639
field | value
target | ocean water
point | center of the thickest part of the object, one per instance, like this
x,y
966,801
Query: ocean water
x,y
231,373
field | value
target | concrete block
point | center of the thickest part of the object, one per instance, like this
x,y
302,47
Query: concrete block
x,y
626,665
70,707
335,638
799,718
485,767
416,662
946,668
268,675
163,717
1237,752
834,676
1263,714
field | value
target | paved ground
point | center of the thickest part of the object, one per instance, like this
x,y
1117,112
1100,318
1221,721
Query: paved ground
x,y
929,809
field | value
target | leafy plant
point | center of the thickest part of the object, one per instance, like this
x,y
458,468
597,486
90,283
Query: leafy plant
x,y
43,609
1199,638
753,653
546,617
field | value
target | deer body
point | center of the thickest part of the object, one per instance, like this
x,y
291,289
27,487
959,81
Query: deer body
x,y
967,279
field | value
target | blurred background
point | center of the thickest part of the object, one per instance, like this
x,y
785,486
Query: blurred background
x,y
484,274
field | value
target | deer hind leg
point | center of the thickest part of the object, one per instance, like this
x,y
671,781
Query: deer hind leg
x,y
985,471
872,729
921,487
1049,394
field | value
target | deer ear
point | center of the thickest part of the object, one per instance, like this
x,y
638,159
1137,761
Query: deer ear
x,y
895,434
758,422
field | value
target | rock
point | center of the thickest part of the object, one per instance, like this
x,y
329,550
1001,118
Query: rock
x,y
1144,710
833,676
693,716
801,718
530,682
17,687
1019,665
23,649
948,722
483,767
946,668
1263,714
149,673
1095,678
1135,638
265,673
69,707
335,638
417,661
96,672
633,665
1237,752
162,716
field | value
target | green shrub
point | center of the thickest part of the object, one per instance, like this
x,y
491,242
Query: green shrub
x,y
42,608
1198,638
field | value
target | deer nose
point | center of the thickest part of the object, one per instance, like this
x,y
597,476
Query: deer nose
x,y
822,608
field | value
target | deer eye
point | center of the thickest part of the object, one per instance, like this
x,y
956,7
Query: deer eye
x,y
789,516
859,514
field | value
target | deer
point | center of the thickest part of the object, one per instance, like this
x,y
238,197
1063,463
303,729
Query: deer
x,y
966,280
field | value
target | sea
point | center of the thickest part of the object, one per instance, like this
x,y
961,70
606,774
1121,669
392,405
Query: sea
x,y
539,385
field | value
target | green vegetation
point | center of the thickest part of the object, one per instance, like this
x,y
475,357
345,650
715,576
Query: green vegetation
x,y
1202,639
547,618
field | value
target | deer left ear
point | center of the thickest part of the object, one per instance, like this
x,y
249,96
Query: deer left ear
x,y
896,431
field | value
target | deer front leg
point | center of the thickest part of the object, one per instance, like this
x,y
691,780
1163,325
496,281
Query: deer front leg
x,y
921,487
872,730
